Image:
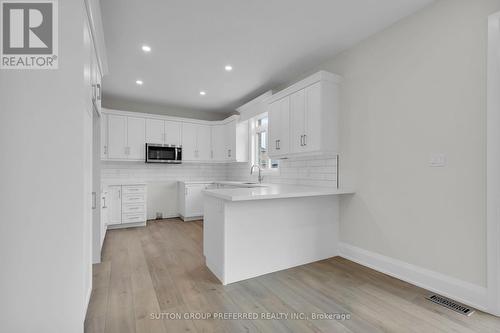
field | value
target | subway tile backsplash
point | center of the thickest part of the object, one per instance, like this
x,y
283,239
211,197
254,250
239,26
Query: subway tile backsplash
x,y
314,172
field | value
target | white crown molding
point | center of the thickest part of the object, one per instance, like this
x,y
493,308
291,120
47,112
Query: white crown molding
x,y
310,80
170,118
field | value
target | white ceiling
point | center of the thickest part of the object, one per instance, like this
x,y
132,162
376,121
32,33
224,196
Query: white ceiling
x,y
268,43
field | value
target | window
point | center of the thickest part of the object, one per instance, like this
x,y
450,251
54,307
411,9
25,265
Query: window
x,y
259,139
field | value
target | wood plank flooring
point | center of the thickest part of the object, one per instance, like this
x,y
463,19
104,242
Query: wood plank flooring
x,y
159,269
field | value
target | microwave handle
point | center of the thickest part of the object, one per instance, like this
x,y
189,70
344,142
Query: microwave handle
x,y
176,152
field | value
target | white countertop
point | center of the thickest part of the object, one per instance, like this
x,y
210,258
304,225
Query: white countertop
x,y
274,191
243,184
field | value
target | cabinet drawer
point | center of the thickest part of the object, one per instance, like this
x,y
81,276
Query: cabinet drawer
x,y
133,218
134,189
134,198
133,208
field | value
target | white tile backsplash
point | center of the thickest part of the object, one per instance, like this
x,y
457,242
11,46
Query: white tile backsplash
x,y
314,171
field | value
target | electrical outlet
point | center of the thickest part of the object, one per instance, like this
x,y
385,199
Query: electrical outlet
x,y
437,160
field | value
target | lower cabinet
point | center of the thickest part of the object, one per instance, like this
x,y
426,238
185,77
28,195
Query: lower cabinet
x,y
190,200
127,206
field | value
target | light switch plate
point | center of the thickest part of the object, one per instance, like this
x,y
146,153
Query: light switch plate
x,y
437,160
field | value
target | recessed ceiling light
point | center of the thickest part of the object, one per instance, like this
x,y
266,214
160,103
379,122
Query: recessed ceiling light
x,y
146,48
139,82
202,93
228,68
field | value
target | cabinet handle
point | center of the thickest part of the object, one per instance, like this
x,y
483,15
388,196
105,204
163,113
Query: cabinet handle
x,y
301,140
98,92
229,152
276,144
104,205
305,140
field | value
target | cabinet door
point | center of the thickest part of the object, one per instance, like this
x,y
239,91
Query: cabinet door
x,y
231,141
155,131
218,142
312,119
115,205
204,143
297,118
136,138
189,141
194,200
274,115
284,139
173,133
104,136
117,137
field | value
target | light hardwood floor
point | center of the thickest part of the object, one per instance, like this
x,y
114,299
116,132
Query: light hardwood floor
x,y
160,269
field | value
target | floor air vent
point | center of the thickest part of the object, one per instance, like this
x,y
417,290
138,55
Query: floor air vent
x,y
448,303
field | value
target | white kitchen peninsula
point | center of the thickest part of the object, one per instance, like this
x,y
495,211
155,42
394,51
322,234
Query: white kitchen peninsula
x,y
254,231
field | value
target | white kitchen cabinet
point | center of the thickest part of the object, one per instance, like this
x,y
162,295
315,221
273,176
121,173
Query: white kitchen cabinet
x,y
230,142
237,141
155,131
104,136
136,138
163,132
115,205
117,137
196,142
313,121
279,127
127,206
189,141
190,200
204,142
126,137
173,131
219,143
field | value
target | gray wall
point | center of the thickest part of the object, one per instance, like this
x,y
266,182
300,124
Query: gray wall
x,y
415,89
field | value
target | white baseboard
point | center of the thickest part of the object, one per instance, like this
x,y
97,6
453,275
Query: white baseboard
x,y
458,290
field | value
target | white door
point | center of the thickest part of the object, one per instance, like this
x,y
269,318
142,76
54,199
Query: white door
x,y
173,133
204,142
136,138
104,136
219,143
297,118
231,141
312,120
155,131
115,205
117,137
194,200
189,142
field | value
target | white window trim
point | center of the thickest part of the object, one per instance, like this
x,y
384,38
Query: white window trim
x,y
254,130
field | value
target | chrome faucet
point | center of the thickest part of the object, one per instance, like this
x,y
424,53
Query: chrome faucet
x,y
261,178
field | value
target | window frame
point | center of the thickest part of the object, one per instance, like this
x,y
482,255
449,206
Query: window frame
x,y
254,131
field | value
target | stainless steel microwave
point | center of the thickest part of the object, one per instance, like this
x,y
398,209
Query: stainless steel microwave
x,y
156,153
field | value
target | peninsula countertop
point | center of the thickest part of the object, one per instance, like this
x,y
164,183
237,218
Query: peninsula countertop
x,y
274,191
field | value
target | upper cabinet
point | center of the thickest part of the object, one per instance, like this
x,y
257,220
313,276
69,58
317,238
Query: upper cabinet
x,y
126,138
303,119
196,142
163,132
279,127
230,142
